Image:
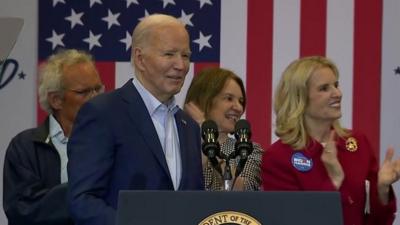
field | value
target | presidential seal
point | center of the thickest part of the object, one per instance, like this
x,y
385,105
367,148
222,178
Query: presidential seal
x,y
229,218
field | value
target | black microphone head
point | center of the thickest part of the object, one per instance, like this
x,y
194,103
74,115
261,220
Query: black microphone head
x,y
242,126
243,145
210,146
209,126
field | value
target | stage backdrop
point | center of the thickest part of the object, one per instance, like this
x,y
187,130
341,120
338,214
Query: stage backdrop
x,y
256,39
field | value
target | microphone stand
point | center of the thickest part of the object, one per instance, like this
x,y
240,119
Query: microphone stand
x,y
227,176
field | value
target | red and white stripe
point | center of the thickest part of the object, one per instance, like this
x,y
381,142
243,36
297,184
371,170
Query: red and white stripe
x,y
348,32
259,38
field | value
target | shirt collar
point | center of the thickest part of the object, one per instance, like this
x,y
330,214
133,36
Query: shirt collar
x,y
151,102
56,130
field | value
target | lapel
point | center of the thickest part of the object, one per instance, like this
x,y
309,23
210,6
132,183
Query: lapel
x,y
41,134
181,124
142,122
42,131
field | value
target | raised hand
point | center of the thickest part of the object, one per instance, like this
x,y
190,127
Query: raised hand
x,y
194,111
388,174
331,162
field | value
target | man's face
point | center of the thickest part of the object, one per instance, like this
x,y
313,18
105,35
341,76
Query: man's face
x,y
81,82
164,61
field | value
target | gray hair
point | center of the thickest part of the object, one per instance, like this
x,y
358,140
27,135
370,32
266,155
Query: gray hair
x,y
146,27
51,73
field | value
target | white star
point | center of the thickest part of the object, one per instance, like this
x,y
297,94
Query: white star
x,y
129,2
75,18
111,19
92,2
146,14
58,1
203,2
186,18
56,39
166,2
92,40
203,41
127,41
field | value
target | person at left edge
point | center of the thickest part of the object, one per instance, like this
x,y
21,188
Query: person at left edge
x,y
35,179
119,138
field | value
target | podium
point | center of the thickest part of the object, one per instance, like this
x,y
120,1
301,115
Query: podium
x,y
228,208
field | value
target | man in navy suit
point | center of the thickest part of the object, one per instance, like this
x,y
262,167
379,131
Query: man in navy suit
x,y
125,140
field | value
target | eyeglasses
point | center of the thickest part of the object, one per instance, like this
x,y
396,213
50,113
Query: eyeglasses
x,y
88,91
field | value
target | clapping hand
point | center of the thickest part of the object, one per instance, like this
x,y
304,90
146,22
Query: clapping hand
x,y
388,174
331,162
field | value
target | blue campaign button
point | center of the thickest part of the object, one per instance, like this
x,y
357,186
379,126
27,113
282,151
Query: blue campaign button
x,y
301,163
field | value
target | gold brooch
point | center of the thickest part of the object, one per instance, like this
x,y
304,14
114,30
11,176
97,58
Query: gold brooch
x,y
351,144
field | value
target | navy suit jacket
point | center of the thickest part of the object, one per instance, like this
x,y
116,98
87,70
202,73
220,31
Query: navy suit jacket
x,y
114,146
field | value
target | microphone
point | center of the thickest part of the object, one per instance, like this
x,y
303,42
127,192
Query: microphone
x,y
243,145
210,146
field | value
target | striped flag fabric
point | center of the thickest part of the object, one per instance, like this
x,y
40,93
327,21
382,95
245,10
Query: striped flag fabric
x,y
256,39
104,27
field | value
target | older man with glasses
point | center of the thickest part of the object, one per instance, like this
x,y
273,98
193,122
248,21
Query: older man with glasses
x,y
35,175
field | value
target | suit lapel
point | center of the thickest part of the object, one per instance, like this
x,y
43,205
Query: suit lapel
x,y
181,125
142,122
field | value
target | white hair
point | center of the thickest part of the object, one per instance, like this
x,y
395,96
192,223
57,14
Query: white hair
x,y
51,73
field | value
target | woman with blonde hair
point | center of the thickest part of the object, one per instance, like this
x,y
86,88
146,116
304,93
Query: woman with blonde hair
x,y
314,153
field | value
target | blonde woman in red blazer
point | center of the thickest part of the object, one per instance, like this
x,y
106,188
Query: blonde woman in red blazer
x,y
314,153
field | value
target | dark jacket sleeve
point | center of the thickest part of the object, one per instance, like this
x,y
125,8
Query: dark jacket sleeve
x,y
27,197
91,158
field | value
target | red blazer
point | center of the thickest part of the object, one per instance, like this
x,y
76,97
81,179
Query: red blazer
x,y
282,170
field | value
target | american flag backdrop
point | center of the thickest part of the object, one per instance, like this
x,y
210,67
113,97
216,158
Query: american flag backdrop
x,y
257,39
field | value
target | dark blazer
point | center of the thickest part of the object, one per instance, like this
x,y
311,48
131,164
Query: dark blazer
x,y
114,146
32,192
